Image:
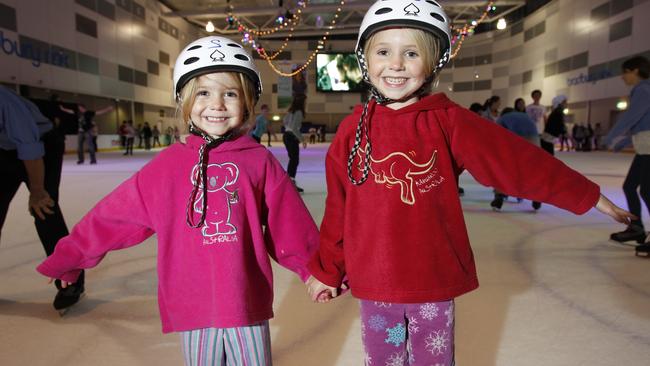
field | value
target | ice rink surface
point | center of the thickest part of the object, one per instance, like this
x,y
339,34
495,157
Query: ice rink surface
x,y
554,290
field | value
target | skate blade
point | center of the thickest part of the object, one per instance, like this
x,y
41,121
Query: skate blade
x,y
65,310
624,243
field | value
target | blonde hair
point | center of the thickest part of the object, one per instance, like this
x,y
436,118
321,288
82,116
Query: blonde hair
x,y
247,96
428,46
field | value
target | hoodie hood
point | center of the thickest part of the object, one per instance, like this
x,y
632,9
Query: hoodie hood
x,y
428,103
242,142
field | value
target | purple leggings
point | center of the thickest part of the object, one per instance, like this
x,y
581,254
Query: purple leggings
x,y
408,334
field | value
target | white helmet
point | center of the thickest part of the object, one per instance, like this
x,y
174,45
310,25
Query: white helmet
x,y
210,54
426,15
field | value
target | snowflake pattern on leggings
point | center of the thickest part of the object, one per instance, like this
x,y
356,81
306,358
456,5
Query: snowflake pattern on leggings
x,y
383,304
437,342
396,335
413,325
396,359
377,323
450,315
429,311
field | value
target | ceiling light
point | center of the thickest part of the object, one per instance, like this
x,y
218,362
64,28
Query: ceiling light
x,y
209,27
501,24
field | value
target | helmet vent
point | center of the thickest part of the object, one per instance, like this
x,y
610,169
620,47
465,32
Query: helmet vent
x,y
433,3
191,60
194,47
383,11
234,45
438,17
242,57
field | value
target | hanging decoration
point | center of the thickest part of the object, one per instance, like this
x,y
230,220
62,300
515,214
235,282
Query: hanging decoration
x,y
249,39
291,18
468,29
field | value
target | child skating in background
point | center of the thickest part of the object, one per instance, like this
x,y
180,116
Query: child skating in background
x,y
393,223
232,206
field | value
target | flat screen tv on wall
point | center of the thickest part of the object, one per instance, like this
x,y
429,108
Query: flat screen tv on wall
x,y
338,72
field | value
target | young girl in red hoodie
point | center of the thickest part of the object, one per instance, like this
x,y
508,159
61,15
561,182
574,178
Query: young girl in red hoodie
x,y
393,223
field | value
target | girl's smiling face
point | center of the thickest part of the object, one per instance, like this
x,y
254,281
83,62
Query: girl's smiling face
x,y
218,104
395,65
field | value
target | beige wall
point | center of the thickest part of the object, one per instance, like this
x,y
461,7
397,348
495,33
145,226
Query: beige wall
x,y
128,42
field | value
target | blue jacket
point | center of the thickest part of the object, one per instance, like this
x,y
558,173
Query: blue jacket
x,y
636,119
519,123
260,126
21,125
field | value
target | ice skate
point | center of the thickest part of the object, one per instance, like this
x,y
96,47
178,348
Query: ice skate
x,y
67,297
497,203
643,250
632,233
537,206
498,200
66,303
461,191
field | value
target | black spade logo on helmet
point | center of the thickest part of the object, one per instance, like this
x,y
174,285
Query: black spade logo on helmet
x,y
216,55
411,9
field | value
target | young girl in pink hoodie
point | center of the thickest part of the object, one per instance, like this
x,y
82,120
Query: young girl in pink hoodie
x,y
393,223
222,209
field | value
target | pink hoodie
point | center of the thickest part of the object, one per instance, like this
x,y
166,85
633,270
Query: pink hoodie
x,y
218,275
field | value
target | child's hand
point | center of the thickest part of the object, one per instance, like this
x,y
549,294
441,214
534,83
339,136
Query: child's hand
x,y
63,283
320,292
606,206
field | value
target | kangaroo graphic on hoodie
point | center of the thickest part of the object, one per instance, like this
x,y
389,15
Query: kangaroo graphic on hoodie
x,y
397,168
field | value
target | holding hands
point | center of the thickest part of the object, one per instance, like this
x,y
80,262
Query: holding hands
x,y
320,292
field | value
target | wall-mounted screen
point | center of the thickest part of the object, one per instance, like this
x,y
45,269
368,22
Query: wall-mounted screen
x,y
338,72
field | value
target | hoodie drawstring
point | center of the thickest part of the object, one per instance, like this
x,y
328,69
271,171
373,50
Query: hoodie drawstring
x,y
201,177
362,128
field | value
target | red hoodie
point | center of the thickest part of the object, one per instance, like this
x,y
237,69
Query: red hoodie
x,y
401,237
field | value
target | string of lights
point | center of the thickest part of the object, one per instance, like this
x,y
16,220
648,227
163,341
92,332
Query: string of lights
x,y
321,44
290,18
249,34
468,29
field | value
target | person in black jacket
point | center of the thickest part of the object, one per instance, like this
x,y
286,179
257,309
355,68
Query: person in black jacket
x,y
555,126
